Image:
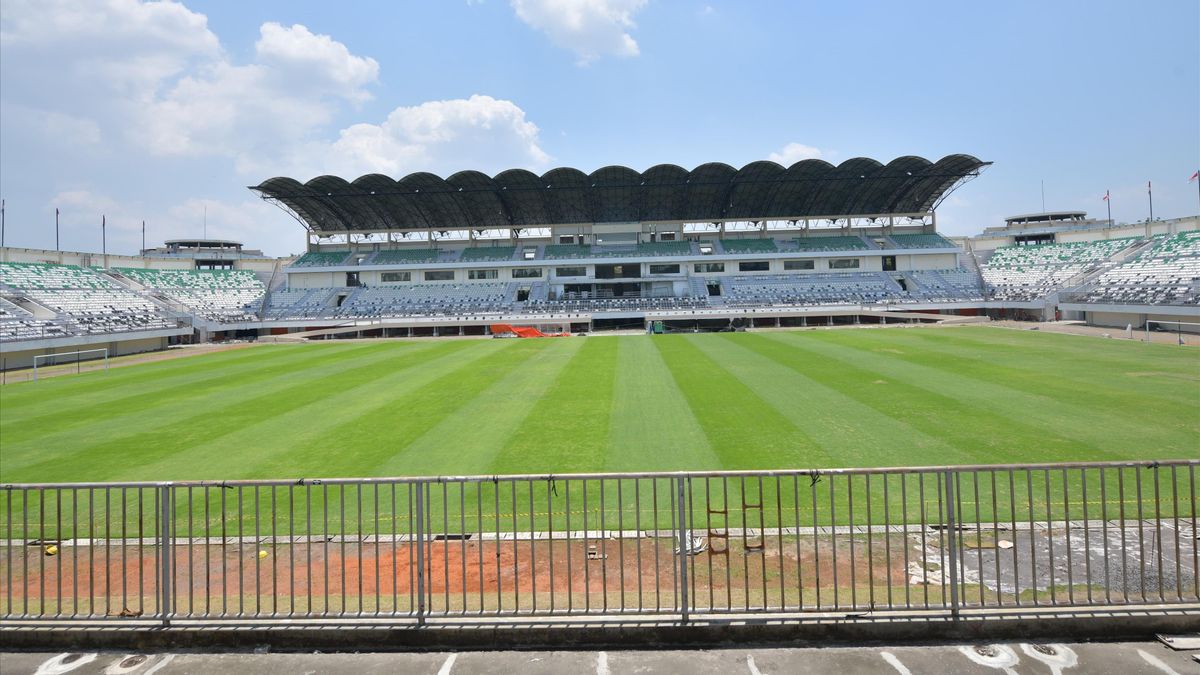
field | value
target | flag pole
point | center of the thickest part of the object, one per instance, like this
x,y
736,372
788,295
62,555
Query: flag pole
x,y
143,252
57,247
1108,201
104,239
1150,193
1,223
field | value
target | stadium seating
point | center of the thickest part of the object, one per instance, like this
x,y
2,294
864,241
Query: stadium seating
x,y
298,303
830,243
485,253
18,324
85,301
558,251
809,289
956,285
218,295
663,248
1025,273
1166,273
404,256
426,299
749,245
921,241
321,259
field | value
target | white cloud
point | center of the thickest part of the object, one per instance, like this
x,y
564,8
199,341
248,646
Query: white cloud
x,y
480,132
258,109
153,76
794,152
590,28
148,90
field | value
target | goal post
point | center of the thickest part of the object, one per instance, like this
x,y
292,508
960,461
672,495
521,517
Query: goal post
x,y
79,359
1177,325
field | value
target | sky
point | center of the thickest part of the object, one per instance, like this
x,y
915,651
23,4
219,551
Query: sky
x,y
166,112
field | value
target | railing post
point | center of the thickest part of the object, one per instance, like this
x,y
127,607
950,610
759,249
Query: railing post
x,y
166,557
951,542
419,536
684,603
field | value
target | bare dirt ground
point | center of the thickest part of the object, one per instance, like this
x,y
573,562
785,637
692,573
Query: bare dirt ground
x,y
1077,328
460,576
182,351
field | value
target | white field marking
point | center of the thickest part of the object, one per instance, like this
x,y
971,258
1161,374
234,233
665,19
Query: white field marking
x,y
1157,662
602,664
160,665
752,666
1005,659
448,665
55,665
1064,657
895,663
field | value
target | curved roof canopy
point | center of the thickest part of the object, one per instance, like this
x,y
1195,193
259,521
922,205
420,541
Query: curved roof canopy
x,y
711,192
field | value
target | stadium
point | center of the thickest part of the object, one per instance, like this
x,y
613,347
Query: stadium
x,y
707,404
776,333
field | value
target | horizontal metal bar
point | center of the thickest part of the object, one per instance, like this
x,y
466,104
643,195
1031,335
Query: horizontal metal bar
x,y
508,478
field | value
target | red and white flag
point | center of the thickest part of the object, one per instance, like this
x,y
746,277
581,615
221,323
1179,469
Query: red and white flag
x,y
1106,195
1194,176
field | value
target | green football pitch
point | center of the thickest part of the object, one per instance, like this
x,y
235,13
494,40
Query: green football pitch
x,y
774,400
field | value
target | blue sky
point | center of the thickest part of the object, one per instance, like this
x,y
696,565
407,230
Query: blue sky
x,y
165,112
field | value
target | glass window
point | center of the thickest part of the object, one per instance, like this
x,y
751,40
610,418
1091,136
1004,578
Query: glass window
x,y
439,275
756,266
843,263
483,274
527,273
709,268
664,269
391,277
799,264
570,271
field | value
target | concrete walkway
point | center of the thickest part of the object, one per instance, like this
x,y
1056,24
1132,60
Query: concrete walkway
x,y
1129,658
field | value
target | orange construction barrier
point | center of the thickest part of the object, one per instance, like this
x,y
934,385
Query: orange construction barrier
x,y
522,331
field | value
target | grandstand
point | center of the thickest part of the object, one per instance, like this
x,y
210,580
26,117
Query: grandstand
x,y
766,245
1166,272
1023,273
218,295
83,300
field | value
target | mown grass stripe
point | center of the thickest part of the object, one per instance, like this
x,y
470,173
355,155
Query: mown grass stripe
x,y
1143,377
568,428
479,429
1073,397
33,399
949,410
145,392
849,432
744,430
651,425
122,445
372,439
275,439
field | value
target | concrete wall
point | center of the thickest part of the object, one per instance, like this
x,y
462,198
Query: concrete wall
x,y
1122,319
24,359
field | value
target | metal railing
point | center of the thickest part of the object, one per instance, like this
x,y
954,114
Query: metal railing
x,y
713,544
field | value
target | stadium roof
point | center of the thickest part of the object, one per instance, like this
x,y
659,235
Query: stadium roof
x,y
711,192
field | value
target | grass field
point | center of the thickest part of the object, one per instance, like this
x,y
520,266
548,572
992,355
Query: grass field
x,y
636,403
